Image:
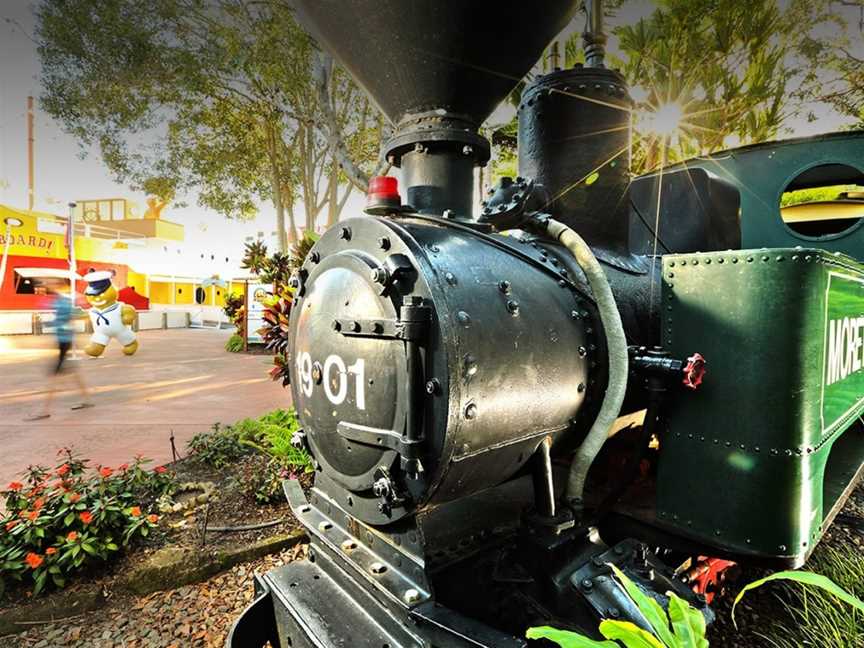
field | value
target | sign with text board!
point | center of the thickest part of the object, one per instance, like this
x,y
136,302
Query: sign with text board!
x,y
843,384
257,295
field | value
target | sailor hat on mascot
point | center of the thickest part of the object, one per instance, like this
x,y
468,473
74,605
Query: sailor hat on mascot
x,y
111,319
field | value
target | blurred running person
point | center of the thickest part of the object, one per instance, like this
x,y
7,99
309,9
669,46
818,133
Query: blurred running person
x,y
64,311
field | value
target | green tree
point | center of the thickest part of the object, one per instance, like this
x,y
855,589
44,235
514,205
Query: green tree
x,y
219,96
837,63
733,68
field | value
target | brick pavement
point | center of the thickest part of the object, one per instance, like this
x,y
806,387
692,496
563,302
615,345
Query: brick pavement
x,y
181,380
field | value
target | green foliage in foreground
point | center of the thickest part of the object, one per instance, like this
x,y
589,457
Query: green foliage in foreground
x,y
682,627
818,615
234,344
815,615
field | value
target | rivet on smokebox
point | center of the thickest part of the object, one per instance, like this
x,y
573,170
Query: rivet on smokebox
x,y
384,243
504,287
513,307
471,411
345,233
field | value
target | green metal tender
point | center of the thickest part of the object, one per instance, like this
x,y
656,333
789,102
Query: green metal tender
x,y
763,455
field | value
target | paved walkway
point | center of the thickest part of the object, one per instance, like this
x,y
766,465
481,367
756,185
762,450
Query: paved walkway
x,y
181,380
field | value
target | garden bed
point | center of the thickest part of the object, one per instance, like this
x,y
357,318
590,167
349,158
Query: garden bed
x,y
186,521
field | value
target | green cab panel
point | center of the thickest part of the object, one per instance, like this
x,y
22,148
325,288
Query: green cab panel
x,y
759,458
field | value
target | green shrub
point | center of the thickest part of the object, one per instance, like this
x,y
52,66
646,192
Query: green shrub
x,y
217,448
262,480
271,434
52,529
234,344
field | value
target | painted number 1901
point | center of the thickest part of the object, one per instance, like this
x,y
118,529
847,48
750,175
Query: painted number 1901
x,y
335,376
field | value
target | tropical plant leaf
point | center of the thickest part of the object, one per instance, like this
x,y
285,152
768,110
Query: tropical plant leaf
x,y
566,638
806,578
631,635
650,609
688,624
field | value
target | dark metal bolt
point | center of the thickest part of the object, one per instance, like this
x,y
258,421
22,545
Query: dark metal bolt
x,y
378,328
582,351
504,287
336,325
384,243
513,307
317,373
355,326
587,584
315,257
471,411
463,318
345,233
433,387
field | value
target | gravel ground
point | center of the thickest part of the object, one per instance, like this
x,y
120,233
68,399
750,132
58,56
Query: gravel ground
x,y
195,616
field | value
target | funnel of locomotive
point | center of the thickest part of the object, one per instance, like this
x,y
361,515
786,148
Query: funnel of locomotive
x,y
436,69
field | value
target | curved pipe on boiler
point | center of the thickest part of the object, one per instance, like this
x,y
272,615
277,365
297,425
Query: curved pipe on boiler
x,y
616,344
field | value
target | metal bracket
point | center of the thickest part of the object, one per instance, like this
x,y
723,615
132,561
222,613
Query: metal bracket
x,y
387,570
376,437
412,326
608,598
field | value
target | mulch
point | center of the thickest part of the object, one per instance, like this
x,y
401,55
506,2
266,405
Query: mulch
x,y
195,615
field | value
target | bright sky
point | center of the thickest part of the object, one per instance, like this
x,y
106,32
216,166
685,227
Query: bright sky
x,y
62,175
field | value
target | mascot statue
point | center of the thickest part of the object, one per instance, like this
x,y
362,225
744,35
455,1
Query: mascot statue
x,y
110,318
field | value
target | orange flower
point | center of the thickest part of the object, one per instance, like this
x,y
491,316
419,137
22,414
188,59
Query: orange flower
x,y
135,511
152,519
32,515
72,537
15,486
50,551
11,525
123,467
106,472
62,470
86,517
34,560
160,469
39,503
74,497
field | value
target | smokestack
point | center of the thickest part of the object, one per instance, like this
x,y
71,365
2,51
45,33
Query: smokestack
x,y
437,70
594,38
30,178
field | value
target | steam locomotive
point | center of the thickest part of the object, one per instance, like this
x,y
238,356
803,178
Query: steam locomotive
x,y
659,373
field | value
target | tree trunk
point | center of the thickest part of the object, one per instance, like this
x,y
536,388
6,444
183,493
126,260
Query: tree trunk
x,y
333,198
276,188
